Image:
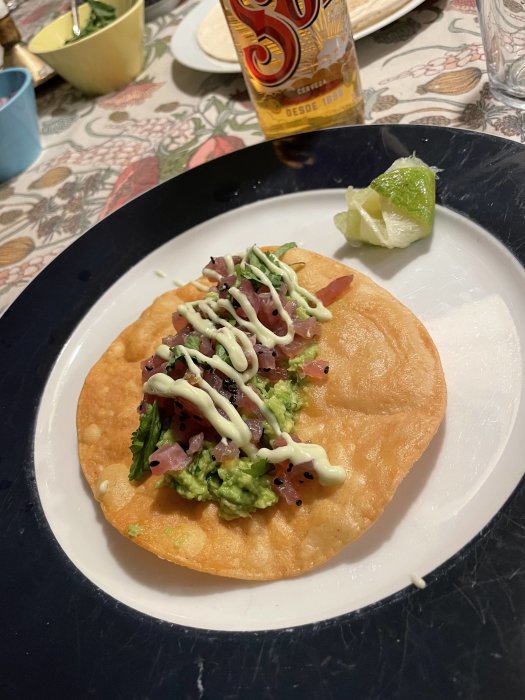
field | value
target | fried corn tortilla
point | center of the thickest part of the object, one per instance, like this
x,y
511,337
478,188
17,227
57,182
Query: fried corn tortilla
x,y
375,414
214,38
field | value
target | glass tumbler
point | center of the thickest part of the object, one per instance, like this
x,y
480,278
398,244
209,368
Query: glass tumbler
x,y
503,32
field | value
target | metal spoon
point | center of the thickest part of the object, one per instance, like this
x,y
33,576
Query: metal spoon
x,y
74,14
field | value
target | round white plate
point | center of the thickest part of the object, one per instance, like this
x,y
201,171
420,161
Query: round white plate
x,y
185,47
470,293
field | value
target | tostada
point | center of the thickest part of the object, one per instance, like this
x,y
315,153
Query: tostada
x,y
256,421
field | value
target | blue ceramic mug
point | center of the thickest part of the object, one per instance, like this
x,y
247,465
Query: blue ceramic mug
x,y
19,136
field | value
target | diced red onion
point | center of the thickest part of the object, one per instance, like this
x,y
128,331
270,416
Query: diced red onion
x,y
256,429
168,458
195,443
225,453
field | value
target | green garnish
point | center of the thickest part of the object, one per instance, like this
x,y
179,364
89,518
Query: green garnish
x,y
144,441
222,353
134,530
282,250
176,354
100,16
255,261
258,468
193,342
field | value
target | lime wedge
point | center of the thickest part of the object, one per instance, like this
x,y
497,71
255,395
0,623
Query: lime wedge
x,y
395,210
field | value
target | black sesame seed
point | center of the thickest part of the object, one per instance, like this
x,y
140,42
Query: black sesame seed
x,y
179,405
278,482
307,475
274,312
148,368
298,502
274,354
212,259
266,369
235,304
183,416
325,370
289,467
197,418
154,463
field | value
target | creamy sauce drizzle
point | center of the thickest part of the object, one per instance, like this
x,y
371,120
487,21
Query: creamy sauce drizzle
x,y
202,316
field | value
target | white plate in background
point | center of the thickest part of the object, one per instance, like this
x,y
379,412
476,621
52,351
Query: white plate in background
x,y
185,47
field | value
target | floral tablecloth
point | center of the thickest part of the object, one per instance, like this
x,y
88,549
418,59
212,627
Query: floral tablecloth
x,y
426,68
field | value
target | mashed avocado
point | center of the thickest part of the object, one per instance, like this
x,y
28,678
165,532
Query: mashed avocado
x,y
283,400
192,482
240,490
239,486
295,363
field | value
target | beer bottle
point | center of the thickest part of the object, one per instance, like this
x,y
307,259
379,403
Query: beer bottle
x,y
299,62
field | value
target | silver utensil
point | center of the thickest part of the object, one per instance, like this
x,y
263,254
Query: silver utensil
x,y
74,14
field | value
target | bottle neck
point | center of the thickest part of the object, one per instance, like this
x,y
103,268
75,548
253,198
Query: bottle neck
x,y
9,34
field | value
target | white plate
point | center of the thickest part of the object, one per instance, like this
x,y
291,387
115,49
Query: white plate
x,y
185,47
470,293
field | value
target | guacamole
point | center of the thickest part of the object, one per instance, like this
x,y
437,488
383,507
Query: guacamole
x,y
242,485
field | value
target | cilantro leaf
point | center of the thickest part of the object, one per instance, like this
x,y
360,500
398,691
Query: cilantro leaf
x,y
176,354
282,250
258,468
144,441
222,353
193,342
246,272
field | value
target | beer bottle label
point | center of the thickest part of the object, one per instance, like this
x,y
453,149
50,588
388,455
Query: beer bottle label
x,y
277,26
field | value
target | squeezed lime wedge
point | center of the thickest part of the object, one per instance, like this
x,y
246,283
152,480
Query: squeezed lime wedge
x,y
396,209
